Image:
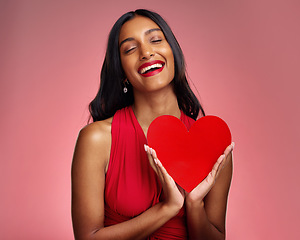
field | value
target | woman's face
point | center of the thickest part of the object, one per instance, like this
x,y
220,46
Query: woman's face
x,y
146,56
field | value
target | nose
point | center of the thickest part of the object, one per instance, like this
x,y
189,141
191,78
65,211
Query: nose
x,y
146,52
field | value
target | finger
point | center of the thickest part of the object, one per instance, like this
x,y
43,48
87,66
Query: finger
x,y
229,149
158,165
165,174
151,159
227,153
162,173
153,152
218,166
182,191
204,187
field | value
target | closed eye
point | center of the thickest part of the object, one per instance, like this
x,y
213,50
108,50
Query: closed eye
x,y
129,50
156,40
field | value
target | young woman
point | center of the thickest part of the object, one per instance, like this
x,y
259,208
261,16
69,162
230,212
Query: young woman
x,y
120,190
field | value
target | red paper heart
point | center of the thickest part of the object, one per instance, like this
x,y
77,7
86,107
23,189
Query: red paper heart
x,y
188,156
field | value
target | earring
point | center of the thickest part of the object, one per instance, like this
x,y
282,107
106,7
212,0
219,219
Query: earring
x,y
125,90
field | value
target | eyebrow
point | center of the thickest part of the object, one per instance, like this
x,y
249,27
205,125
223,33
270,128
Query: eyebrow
x,y
146,33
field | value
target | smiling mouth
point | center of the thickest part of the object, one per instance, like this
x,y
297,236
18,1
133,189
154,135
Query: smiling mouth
x,y
151,68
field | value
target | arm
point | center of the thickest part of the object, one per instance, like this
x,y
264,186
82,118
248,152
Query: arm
x,y
206,204
89,165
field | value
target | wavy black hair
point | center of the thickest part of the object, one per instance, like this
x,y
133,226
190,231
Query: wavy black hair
x,y
110,96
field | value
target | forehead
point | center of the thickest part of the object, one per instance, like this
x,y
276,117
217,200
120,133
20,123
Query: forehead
x,y
136,27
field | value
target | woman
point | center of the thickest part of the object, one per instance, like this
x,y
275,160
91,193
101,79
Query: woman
x,y
115,192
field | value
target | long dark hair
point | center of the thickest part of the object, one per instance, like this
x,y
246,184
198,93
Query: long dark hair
x,y
110,96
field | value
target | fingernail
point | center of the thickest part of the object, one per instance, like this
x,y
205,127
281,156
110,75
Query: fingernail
x,y
145,147
232,144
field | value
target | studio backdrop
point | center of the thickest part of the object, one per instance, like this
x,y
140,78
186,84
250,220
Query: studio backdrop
x,y
242,59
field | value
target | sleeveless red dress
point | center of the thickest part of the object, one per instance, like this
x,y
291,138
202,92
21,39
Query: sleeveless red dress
x,y
131,185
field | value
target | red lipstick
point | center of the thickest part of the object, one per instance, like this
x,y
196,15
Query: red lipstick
x,y
146,69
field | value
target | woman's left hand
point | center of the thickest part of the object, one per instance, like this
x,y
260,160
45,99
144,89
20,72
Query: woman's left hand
x,y
199,192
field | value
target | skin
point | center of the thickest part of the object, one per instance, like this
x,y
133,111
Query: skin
x,y
154,96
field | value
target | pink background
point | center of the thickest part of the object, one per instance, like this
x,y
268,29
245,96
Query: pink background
x,y
243,57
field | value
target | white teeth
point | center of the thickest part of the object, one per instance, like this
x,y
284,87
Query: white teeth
x,y
157,65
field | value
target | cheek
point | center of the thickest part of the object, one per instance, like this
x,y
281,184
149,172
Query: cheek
x,y
170,57
171,61
126,65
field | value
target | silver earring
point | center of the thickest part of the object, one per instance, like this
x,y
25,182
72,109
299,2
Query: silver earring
x,y
125,89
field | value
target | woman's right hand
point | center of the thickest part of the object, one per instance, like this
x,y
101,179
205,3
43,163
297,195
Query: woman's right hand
x,y
174,195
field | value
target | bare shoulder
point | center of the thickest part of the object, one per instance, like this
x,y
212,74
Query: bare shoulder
x,y
96,131
93,142
90,161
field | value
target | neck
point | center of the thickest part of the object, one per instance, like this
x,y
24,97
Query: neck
x,y
148,106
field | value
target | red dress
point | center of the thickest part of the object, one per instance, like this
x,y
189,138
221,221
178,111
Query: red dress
x,y
131,185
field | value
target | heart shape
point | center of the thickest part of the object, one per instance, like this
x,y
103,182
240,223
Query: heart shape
x,y
188,156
